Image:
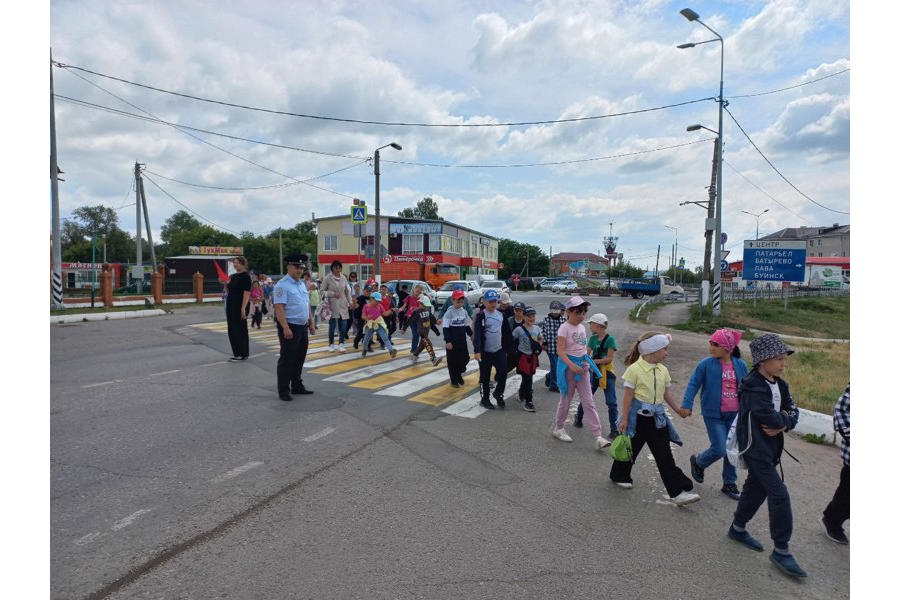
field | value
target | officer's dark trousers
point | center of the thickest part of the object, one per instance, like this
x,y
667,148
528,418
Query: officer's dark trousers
x,y
291,357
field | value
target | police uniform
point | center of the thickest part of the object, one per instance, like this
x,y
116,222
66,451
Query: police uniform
x,y
293,296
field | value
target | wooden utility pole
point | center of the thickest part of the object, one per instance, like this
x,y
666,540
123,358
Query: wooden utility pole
x,y
710,224
147,223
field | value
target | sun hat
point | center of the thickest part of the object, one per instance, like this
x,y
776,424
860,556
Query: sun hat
x,y
376,296
458,294
575,302
768,346
529,310
504,298
599,319
490,295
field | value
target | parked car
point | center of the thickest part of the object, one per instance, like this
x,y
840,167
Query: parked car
x,y
497,284
472,290
395,284
549,282
566,286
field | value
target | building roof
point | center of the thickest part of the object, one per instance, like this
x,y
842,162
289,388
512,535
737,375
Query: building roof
x,y
574,256
804,233
413,220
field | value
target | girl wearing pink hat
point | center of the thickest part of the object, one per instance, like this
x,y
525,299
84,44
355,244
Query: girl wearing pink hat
x,y
717,378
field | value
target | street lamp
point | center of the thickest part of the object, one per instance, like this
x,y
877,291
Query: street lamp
x,y
717,273
377,255
675,253
757,219
710,224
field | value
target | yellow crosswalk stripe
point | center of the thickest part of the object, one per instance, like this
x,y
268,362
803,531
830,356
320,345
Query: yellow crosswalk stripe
x,y
445,393
350,365
401,374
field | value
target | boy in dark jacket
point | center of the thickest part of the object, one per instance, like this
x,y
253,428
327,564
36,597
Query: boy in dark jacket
x,y
766,412
492,341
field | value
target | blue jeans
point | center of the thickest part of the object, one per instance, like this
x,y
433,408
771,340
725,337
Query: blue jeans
x,y
341,325
382,334
414,331
550,378
609,394
717,430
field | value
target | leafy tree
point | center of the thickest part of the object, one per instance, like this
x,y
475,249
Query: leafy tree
x,y
179,222
96,219
514,255
426,208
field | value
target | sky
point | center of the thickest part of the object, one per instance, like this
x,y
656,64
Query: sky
x,y
594,97
224,154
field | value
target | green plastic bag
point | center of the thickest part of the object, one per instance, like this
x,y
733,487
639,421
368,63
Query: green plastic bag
x,y
621,448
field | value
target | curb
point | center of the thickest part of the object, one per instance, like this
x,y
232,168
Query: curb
x,y
127,314
818,424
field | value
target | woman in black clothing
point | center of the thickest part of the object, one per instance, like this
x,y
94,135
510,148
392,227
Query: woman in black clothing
x,y
236,305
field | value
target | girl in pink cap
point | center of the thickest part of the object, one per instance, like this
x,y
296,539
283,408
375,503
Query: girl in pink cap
x,y
717,378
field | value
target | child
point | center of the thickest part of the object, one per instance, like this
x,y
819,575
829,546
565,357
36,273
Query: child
x,y
647,386
491,340
549,327
421,319
766,412
603,352
256,304
573,371
374,323
456,328
717,377
517,320
838,510
314,300
528,336
388,309
407,306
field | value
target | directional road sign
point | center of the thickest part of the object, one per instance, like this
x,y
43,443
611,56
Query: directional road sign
x,y
359,215
723,266
774,260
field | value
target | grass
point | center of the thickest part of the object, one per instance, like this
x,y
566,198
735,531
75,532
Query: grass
x,y
817,372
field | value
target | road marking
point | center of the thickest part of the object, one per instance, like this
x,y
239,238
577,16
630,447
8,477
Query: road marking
x,y
365,372
470,406
439,375
333,359
236,471
87,539
129,519
164,373
319,435
401,374
443,394
91,385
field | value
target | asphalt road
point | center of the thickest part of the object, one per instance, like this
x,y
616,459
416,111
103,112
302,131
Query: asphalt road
x,y
175,474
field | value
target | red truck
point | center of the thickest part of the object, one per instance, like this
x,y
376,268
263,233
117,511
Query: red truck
x,y
436,274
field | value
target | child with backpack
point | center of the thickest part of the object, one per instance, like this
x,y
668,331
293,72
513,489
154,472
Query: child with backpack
x,y
422,318
603,352
766,412
528,343
549,327
647,386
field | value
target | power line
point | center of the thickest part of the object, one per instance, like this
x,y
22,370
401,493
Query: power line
x,y
263,187
780,174
790,87
767,194
386,123
186,207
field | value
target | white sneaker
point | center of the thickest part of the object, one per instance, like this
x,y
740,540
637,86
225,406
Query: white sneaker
x,y
685,498
624,484
331,347
560,434
341,348
602,442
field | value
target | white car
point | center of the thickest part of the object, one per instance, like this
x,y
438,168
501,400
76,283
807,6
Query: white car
x,y
471,288
497,284
566,286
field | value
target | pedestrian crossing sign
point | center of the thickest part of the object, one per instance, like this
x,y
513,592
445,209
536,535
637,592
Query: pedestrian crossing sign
x,y
359,215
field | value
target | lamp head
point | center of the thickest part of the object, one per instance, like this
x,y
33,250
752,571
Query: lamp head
x,y
689,14
395,146
687,45
694,127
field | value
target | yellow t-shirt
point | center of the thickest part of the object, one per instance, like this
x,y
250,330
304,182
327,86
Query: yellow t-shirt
x,y
649,381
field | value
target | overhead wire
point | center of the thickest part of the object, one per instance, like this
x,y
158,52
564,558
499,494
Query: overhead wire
x,y
186,207
790,87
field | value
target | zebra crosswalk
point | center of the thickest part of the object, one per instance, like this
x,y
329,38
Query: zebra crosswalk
x,y
398,377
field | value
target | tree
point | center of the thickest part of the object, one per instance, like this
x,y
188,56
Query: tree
x,y
514,255
96,219
179,222
426,208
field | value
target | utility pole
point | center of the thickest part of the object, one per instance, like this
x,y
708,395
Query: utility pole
x,y
139,259
56,289
710,225
147,223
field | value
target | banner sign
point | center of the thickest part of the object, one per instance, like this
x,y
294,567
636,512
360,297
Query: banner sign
x,y
216,250
401,228
407,258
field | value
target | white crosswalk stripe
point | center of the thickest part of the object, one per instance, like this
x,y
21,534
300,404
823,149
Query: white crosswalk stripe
x,y
470,406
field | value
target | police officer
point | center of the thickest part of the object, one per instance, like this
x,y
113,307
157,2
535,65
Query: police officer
x,y
294,321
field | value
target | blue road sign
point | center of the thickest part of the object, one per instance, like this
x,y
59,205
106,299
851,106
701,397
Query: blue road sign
x,y
723,266
774,260
359,214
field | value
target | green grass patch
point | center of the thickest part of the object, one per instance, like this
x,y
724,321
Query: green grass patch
x,y
645,312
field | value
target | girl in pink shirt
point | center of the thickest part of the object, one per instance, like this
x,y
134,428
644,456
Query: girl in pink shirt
x,y
573,371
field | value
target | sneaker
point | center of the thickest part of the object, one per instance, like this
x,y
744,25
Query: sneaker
x,y
560,434
413,358
554,389
627,485
528,406
787,564
393,352
730,490
602,442
577,423
697,471
501,403
331,347
437,360
454,384
487,404
744,538
341,348
685,498
364,352
835,534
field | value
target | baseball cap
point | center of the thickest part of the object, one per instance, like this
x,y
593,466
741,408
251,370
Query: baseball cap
x,y
599,319
491,295
376,296
458,294
426,301
556,305
504,298
519,306
575,302
529,310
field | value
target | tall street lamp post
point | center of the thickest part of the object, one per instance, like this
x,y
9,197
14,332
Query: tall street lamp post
x,y
757,219
675,254
690,15
377,255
